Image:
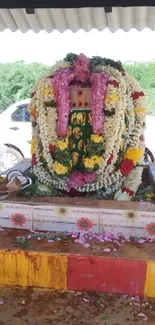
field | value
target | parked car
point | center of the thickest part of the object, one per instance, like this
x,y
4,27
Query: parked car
x,y
15,133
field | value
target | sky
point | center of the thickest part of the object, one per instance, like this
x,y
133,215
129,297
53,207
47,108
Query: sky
x,y
46,48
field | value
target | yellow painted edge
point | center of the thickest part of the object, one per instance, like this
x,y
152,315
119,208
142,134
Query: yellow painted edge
x,y
37,269
149,290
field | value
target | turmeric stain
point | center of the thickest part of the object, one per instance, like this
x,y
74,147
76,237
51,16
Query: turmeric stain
x,y
33,269
150,280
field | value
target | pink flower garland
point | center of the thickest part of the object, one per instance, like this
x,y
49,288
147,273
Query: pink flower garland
x,y
99,87
81,68
61,81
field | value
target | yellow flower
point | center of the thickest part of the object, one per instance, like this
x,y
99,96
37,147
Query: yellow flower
x,y
33,113
149,195
141,110
96,138
33,146
134,154
60,169
62,144
49,91
111,98
97,159
89,163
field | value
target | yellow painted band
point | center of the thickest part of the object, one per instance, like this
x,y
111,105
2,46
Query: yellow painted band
x,y
33,269
150,280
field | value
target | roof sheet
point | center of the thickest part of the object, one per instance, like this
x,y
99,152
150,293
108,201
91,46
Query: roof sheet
x,y
78,18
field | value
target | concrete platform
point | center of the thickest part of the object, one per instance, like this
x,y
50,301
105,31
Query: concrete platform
x,y
76,272
79,214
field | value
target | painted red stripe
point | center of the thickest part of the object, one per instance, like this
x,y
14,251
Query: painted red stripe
x,y
110,275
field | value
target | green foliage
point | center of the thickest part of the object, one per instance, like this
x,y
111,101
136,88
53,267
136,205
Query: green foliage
x,y
145,74
63,157
70,57
97,60
23,242
38,189
17,79
94,148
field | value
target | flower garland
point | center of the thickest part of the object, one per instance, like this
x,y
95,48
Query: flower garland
x,y
115,148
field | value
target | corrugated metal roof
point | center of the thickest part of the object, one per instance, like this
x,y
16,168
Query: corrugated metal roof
x,y
75,19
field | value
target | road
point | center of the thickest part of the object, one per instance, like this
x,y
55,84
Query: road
x,y
46,307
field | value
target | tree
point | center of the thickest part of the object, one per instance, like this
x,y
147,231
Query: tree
x,y
17,80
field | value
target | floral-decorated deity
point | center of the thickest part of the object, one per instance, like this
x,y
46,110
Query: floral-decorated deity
x,y
88,119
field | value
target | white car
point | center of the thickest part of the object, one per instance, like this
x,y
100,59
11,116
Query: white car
x,y
15,134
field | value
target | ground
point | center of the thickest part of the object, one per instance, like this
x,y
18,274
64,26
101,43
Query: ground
x,y
43,307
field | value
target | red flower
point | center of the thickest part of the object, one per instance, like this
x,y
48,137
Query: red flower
x,y
110,159
34,160
113,83
137,94
127,190
142,138
84,224
150,227
18,219
126,166
33,93
52,148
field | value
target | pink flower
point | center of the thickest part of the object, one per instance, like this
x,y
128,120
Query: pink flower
x,y
61,81
76,179
80,179
81,68
89,177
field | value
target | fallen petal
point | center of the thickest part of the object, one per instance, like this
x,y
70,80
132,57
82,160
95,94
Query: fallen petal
x,y
50,241
141,241
86,245
1,302
143,316
107,250
137,304
118,243
85,300
136,298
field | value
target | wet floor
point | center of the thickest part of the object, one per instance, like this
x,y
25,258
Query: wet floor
x,y
43,307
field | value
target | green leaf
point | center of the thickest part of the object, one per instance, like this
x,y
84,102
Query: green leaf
x,y
104,317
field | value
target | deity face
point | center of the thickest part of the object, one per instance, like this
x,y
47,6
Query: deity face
x,y
80,144
81,118
75,157
71,144
69,133
90,119
77,132
74,119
